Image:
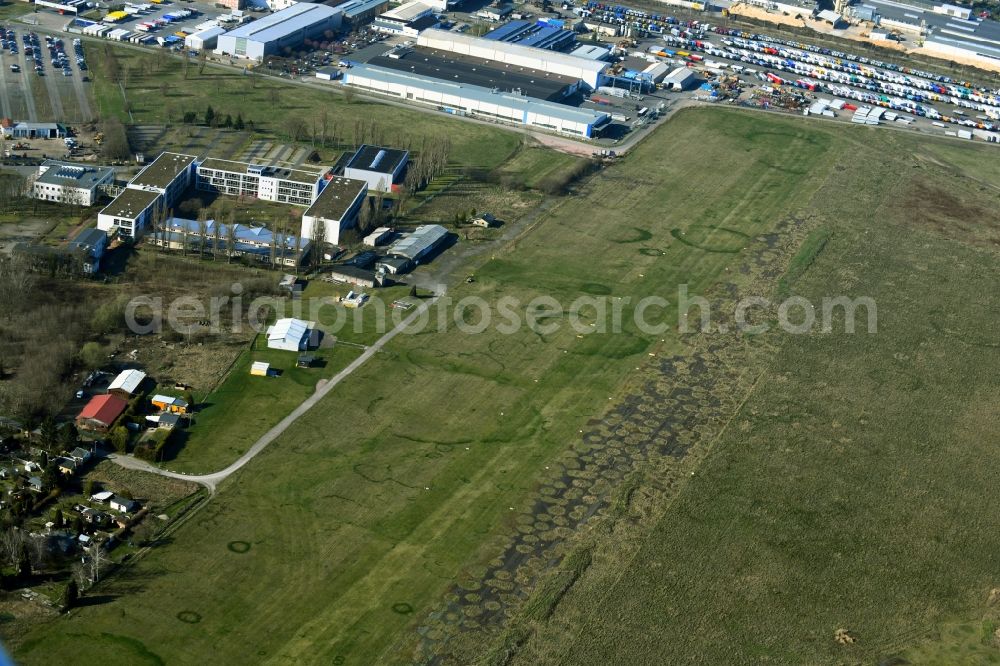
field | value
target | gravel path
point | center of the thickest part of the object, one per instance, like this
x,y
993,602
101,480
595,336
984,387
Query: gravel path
x,y
211,481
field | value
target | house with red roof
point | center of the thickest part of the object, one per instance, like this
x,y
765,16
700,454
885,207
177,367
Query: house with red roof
x,y
100,413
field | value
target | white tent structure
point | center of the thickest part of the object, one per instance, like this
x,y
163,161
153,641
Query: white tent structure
x,y
288,335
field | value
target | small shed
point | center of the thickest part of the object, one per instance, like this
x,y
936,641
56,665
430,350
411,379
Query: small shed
x,y
260,369
305,360
123,504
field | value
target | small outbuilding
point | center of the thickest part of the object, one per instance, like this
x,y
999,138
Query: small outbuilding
x,y
260,369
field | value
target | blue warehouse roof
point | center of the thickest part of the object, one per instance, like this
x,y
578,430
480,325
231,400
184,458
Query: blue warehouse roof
x,y
539,35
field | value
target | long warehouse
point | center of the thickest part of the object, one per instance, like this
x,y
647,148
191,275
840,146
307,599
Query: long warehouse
x,y
589,71
477,72
287,28
464,99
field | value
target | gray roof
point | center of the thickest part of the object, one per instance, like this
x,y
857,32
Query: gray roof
x,y
337,198
89,239
130,203
973,35
476,71
300,16
423,239
162,171
353,8
73,173
480,94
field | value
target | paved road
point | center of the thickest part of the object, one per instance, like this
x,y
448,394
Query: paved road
x,y
86,112
4,95
25,79
211,481
55,99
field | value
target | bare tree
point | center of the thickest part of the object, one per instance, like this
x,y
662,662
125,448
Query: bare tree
x,y
202,61
12,544
230,236
202,231
97,561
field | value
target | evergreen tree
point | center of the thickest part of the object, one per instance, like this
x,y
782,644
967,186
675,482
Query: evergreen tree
x,y
209,115
70,595
238,125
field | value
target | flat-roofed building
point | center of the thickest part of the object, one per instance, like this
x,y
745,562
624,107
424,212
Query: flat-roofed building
x,y
377,166
70,182
477,101
408,19
587,70
293,186
459,68
154,189
130,213
335,209
359,12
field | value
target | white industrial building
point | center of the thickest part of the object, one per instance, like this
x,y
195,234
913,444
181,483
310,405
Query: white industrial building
x,y
335,209
204,39
270,183
287,28
588,70
377,166
154,189
679,79
408,19
70,182
477,101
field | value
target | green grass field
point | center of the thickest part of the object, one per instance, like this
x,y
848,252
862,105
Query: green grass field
x,y
157,92
352,530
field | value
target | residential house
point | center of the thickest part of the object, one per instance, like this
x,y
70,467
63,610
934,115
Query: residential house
x,y
170,404
123,504
67,466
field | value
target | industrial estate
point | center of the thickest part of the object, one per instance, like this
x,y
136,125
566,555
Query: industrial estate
x,y
453,332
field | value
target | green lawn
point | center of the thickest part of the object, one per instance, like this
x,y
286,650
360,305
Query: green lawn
x,y
158,93
351,531
244,407
534,166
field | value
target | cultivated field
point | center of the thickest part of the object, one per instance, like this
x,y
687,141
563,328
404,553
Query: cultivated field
x,y
421,502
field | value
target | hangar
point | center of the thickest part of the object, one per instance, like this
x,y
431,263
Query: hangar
x,y
283,29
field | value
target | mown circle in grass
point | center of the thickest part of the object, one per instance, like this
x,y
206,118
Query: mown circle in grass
x,y
711,239
238,546
433,454
189,617
595,289
640,236
402,608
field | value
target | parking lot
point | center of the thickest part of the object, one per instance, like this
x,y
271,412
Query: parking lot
x,y
42,78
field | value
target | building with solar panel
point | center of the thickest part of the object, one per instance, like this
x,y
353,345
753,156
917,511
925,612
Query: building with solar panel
x,y
281,31
70,182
